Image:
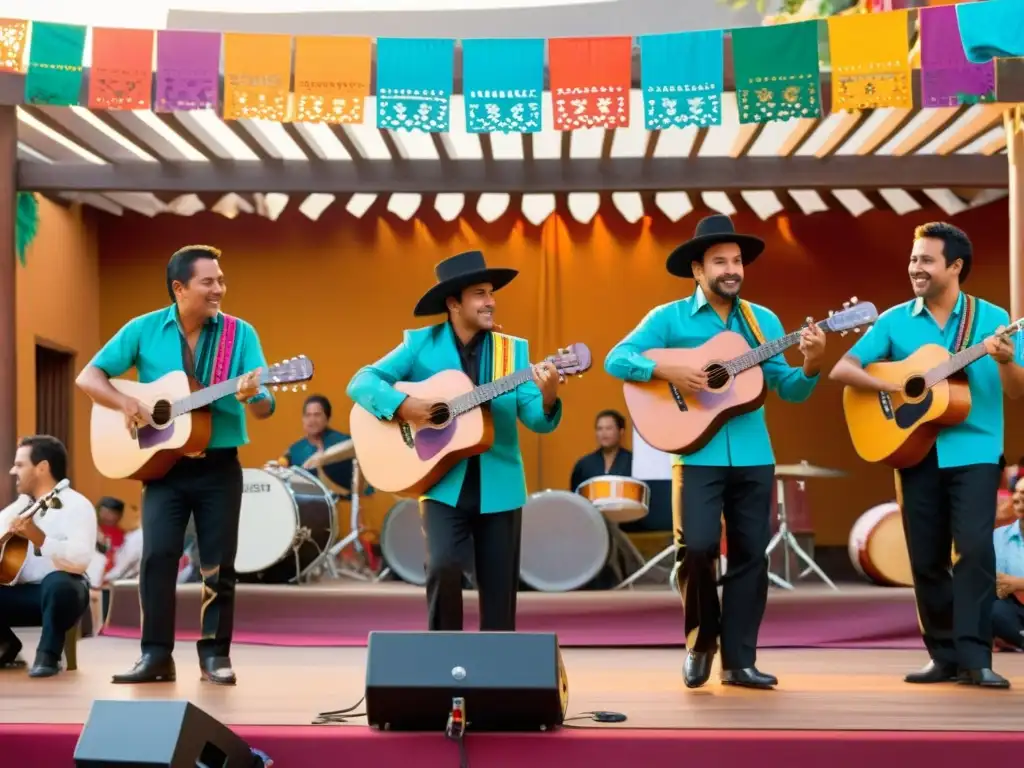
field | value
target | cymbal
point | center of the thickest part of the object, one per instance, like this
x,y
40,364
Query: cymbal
x,y
334,454
806,470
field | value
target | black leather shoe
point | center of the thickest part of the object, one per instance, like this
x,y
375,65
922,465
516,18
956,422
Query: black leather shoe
x,y
9,658
749,677
933,672
217,669
45,665
984,678
697,668
148,669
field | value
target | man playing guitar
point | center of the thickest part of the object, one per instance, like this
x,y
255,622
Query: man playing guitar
x,y
948,497
473,515
191,335
733,473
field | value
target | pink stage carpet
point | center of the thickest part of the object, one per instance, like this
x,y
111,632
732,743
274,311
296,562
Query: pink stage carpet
x,y
858,616
52,746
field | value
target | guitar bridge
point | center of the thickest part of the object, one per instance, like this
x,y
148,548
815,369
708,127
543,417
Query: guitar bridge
x,y
885,402
678,397
407,436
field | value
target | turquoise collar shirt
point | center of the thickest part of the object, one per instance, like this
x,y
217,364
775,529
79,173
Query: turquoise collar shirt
x,y
152,344
688,323
905,328
1009,546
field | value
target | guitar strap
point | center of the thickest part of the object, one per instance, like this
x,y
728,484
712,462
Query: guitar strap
x,y
968,324
497,358
217,352
748,315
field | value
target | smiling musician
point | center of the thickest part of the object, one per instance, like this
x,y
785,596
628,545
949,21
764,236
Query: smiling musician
x,y
948,497
733,473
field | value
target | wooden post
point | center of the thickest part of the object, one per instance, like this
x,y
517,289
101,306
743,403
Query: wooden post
x,y
8,311
1015,155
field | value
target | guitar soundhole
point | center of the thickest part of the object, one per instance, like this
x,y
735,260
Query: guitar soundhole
x,y
914,387
161,413
440,414
718,376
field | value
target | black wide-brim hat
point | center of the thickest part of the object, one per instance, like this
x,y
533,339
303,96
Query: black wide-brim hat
x,y
457,273
711,230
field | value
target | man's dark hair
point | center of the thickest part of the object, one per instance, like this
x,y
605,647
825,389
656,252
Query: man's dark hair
x,y
49,449
180,267
955,244
111,503
620,420
323,401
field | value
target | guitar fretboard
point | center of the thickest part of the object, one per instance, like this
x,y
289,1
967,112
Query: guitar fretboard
x,y
486,392
766,351
206,396
954,364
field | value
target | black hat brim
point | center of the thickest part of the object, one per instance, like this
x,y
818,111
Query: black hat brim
x,y
434,300
680,261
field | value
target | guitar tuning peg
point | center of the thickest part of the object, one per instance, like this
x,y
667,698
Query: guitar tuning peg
x,y
843,333
856,330
274,388
853,299
846,305
303,387
295,389
831,312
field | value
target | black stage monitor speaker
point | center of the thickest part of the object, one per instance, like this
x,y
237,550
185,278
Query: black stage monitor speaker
x,y
158,734
510,681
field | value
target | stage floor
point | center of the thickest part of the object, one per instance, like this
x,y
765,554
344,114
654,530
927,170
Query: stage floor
x,y
844,690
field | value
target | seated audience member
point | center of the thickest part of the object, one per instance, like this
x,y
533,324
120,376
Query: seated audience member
x,y
1007,610
610,458
51,590
110,535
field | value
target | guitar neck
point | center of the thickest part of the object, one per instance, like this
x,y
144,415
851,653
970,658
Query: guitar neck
x,y
766,351
204,397
487,392
955,364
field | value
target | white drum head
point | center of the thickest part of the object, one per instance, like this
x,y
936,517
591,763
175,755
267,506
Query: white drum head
x,y
268,524
403,543
565,543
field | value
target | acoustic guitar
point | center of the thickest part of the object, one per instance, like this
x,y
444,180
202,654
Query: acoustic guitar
x,y
180,421
14,548
681,423
396,457
900,428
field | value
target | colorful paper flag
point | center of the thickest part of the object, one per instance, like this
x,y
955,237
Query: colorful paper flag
x,y
590,79
503,83
414,84
54,74
776,69
332,78
121,75
994,29
257,76
681,79
870,61
187,70
948,79
13,42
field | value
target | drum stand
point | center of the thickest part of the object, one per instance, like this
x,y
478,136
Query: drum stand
x,y
363,573
785,537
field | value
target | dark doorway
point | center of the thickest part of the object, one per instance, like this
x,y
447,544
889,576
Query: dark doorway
x,y
54,382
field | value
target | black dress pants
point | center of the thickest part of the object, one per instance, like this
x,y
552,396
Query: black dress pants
x,y
460,540
743,495
1008,621
943,507
55,604
210,490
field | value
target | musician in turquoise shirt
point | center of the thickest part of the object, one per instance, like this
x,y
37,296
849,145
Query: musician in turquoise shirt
x,y
733,474
472,517
950,497
191,335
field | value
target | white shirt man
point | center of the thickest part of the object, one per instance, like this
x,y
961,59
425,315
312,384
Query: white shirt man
x,y
51,590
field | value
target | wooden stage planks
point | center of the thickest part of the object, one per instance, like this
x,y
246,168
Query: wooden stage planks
x,y
819,689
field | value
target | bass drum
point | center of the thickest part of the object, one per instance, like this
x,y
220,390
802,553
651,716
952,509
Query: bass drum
x,y
286,527
403,543
565,542
878,549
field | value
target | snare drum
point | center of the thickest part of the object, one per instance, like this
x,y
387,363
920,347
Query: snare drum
x,y
565,542
403,543
620,499
878,549
286,527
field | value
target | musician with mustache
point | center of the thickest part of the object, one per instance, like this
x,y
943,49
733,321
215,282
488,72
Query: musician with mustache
x,y
194,336
734,472
472,517
949,497
52,590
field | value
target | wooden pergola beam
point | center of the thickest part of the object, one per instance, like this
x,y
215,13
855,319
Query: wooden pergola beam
x,y
428,176
8,312
1015,159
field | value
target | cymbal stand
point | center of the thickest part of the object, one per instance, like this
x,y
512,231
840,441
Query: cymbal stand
x,y
785,537
362,573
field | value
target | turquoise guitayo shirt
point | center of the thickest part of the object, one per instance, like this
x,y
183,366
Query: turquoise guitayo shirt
x,y
688,323
905,328
152,344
